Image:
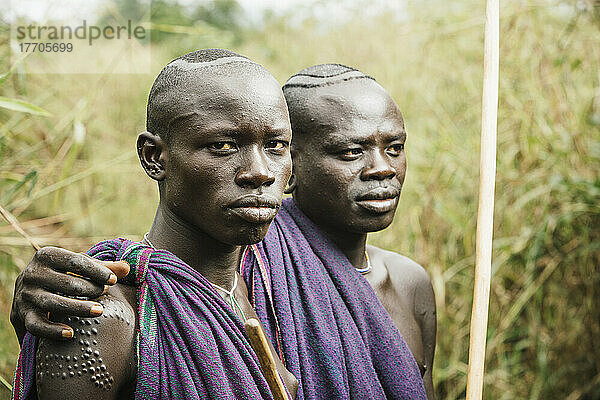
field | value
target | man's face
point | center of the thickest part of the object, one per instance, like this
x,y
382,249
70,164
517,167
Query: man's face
x,y
350,165
228,158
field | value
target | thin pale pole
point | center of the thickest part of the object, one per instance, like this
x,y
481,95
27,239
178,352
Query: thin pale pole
x,y
485,215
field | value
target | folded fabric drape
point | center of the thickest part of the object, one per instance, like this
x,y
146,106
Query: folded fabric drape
x,y
191,344
328,325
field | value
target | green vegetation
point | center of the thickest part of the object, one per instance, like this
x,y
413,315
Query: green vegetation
x,y
72,178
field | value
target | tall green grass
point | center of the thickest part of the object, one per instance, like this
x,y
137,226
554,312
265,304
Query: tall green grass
x,y
544,329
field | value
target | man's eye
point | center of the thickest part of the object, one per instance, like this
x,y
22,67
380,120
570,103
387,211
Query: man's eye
x,y
222,146
395,149
276,145
351,154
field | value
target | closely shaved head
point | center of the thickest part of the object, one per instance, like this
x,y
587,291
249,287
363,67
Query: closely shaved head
x,y
323,75
186,74
304,86
347,148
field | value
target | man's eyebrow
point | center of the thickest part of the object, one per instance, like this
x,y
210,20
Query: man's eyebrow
x,y
395,135
340,140
223,129
277,131
181,118
223,132
398,135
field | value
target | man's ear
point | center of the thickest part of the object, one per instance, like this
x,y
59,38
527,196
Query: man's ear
x,y
152,154
291,186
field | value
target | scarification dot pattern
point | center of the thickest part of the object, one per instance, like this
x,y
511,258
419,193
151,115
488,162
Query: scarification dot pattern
x,y
88,360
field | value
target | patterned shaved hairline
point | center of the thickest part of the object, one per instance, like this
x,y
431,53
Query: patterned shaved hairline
x,y
324,75
174,73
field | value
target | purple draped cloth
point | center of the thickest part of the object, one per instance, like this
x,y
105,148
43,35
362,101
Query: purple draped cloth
x,y
191,343
324,318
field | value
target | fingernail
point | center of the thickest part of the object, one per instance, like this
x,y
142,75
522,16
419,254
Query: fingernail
x,y
96,309
67,333
105,289
112,279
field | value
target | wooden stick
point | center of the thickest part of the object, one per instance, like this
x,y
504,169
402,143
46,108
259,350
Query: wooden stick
x,y
485,215
15,224
260,344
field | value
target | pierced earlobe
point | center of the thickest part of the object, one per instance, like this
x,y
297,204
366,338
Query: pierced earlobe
x,y
154,171
151,152
291,186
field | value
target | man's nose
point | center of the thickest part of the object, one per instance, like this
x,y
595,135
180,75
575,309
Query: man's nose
x,y
378,167
255,171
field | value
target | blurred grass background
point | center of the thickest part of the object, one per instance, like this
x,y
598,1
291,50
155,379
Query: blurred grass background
x,y
73,178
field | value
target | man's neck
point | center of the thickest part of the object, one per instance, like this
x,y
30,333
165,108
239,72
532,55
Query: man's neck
x,y
353,245
215,260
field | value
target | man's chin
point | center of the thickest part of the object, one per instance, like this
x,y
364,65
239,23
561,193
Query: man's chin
x,y
251,234
372,223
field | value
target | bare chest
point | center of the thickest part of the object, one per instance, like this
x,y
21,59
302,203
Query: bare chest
x,y
398,302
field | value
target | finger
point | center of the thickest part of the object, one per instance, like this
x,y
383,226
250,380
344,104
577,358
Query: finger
x,y
39,325
49,302
80,264
70,285
17,318
119,268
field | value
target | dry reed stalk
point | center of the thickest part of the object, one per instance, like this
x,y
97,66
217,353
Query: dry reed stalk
x,y
15,224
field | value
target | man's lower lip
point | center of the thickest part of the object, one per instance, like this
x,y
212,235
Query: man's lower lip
x,y
256,215
378,206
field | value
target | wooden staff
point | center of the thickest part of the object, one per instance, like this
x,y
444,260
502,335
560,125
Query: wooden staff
x,y
260,344
485,215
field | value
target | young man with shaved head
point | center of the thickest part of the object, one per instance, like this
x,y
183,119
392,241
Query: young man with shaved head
x,y
179,332
347,127
331,306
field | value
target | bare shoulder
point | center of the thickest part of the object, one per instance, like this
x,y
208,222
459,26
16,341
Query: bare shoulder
x,y
409,280
99,362
401,269
412,283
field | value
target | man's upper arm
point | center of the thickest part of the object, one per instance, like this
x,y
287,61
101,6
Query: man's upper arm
x,y
97,363
425,314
